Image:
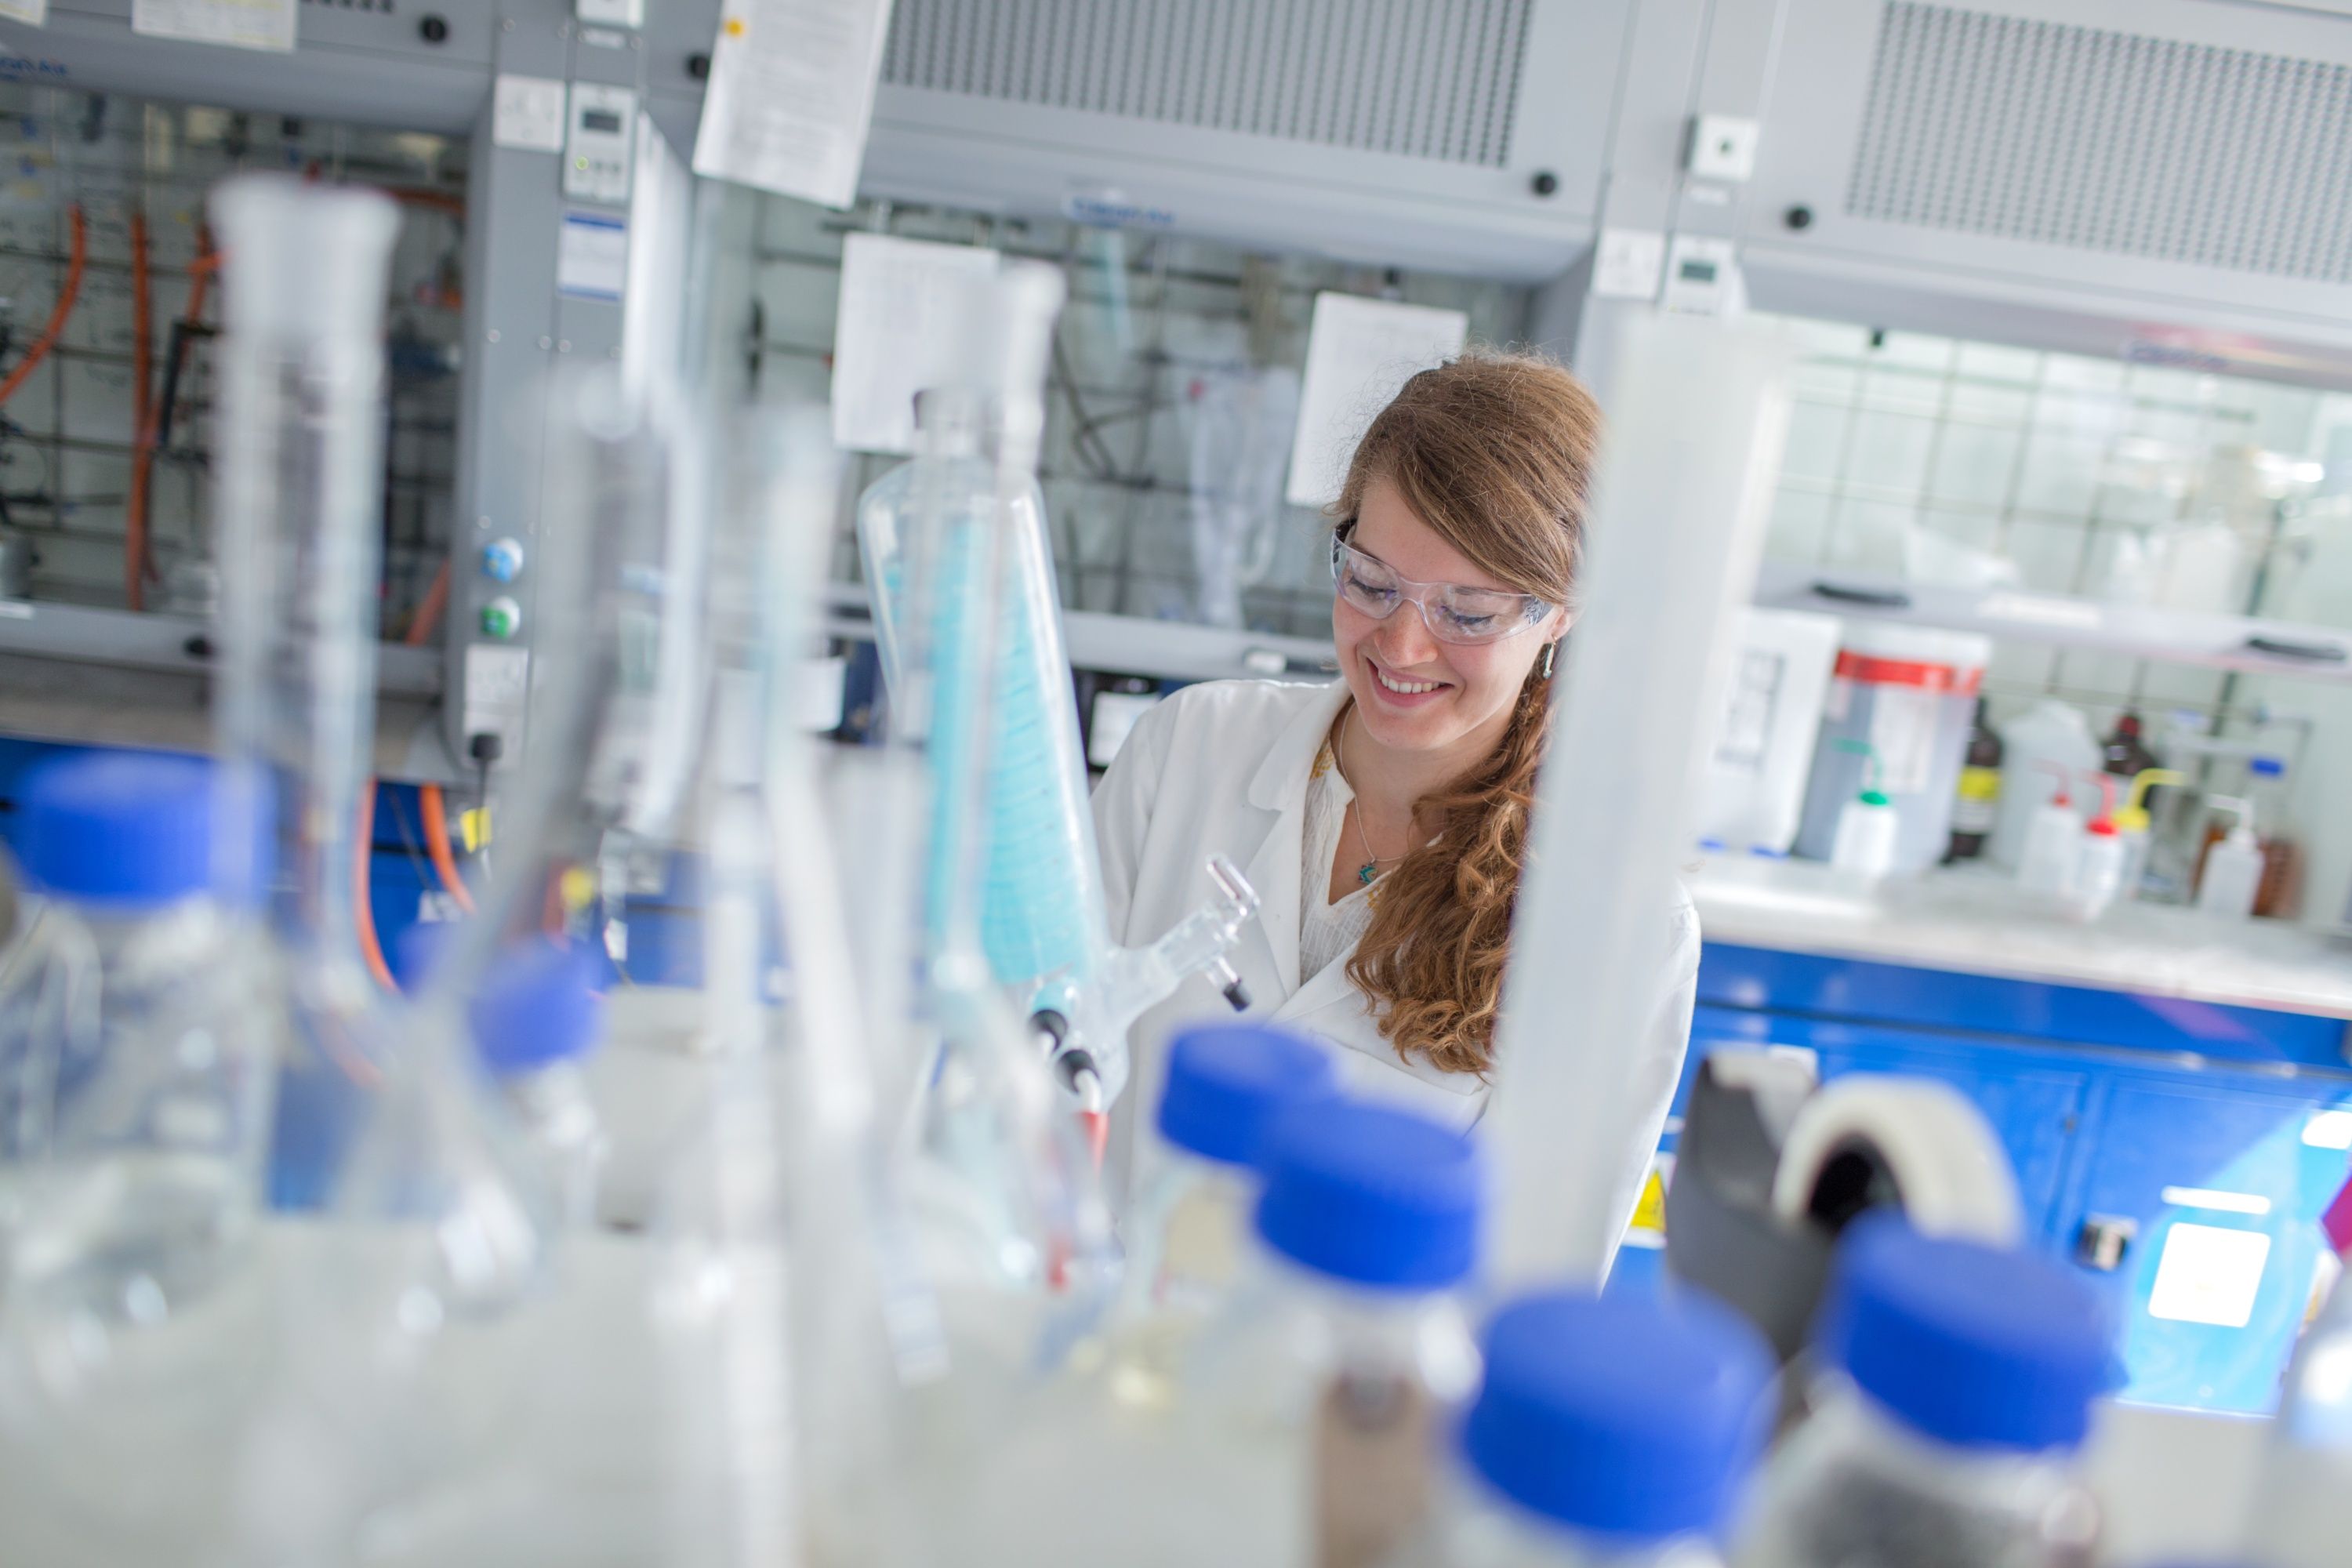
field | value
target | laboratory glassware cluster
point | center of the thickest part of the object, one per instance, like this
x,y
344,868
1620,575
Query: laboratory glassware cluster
x,y
873,1307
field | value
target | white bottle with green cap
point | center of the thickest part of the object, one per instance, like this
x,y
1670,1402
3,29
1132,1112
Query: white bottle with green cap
x,y
1869,828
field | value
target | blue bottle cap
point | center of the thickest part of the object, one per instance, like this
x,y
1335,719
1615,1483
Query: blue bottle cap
x,y
1622,1417
136,830
417,948
539,1005
1226,1081
1371,1195
2266,767
1978,1346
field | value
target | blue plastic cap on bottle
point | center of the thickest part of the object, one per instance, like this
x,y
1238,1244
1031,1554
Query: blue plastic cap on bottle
x,y
136,830
1226,1081
1371,1195
1974,1345
417,948
1620,1417
2266,767
539,1006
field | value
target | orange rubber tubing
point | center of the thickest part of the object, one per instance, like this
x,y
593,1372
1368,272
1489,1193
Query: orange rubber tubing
x,y
363,917
57,312
437,846
429,803
143,417
428,796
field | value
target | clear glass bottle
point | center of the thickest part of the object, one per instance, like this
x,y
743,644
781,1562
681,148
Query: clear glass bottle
x,y
969,624
1955,1388
132,1320
2302,1504
536,1020
1300,1421
1189,1227
410,1302
1311,1406
1606,1432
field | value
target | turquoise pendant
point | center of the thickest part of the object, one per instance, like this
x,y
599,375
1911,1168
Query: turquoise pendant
x,y
1364,873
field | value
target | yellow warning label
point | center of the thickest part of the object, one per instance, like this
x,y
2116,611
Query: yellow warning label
x,y
1650,1214
1980,783
474,829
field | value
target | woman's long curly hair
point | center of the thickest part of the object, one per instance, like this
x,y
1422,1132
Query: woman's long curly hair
x,y
1494,452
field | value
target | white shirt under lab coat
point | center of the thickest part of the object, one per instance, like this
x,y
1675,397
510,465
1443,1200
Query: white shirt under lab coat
x,y
1221,767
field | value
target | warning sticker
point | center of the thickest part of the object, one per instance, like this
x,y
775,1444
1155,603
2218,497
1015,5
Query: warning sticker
x,y
1648,1228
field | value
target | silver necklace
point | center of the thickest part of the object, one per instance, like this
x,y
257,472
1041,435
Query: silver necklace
x,y
1371,865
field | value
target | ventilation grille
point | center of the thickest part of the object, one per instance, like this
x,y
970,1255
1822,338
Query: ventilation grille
x,y
2107,140
1426,78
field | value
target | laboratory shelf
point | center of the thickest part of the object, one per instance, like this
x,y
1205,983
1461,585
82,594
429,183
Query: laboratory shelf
x,y
2238,642
1133,645
180,644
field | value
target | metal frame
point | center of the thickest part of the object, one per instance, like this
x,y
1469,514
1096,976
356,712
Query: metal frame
x,y
429,69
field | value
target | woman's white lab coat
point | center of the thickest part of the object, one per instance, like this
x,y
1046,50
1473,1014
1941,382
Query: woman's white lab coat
x,y
1221,767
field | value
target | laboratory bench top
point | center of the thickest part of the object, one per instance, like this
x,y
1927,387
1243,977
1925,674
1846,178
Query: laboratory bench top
x,y
1980,922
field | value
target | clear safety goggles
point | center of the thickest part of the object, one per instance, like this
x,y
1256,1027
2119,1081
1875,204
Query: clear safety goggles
x,y
1453,613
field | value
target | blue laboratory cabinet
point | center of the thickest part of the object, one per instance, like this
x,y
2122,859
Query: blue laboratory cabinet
x,y
2211,1137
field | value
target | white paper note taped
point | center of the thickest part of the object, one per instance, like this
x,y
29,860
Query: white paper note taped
x,y
1358,352
527,113
240,24
592,257
32,13
791,94
909,307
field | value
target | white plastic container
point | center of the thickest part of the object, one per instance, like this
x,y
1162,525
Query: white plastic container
x,y
2233,868
1755,786
1956,1390
2050,735
2099,869
2101,858
1909,695
1869,835
2052,853
1605,1432
2135,824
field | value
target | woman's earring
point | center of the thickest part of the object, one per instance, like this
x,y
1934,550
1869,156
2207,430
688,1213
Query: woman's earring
x,y
1549,648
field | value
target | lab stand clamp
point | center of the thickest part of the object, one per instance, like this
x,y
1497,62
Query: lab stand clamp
x,y
1083,1029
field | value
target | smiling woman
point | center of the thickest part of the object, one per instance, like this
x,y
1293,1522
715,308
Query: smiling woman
x,y
1384,818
